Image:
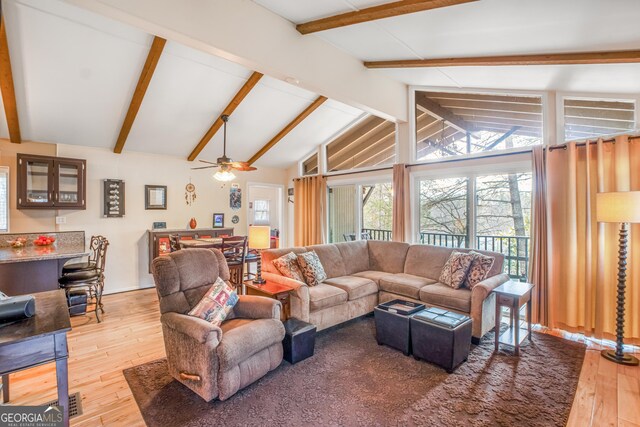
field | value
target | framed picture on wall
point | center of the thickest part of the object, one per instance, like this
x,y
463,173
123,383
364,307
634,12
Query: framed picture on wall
x,y
155,197
218,220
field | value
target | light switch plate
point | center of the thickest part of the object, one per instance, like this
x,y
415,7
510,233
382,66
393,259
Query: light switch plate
x,y
61,220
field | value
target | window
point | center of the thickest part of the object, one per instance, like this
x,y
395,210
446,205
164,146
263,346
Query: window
x,y
371,142
486,212
4,199
310,166
261,212
454,124
584,118
360,212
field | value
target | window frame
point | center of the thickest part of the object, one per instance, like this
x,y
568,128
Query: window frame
x,y
583,96
304,159
268,211
7,171
545,97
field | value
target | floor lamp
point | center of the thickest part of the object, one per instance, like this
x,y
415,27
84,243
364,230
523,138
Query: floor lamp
x,y
622,207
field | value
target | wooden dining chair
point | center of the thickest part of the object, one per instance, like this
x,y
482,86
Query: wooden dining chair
x,y
235,250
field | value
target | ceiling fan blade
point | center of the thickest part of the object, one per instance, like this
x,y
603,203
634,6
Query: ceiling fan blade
x,y
208,162
205,167
242,166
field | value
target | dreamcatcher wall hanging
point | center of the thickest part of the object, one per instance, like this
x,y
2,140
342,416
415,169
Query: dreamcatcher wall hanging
x,y
190,193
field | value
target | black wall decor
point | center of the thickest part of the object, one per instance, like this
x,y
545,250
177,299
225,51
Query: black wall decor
x,y
113,198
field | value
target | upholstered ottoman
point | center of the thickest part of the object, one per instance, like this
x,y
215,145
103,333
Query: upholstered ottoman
x,y
392,323
299,340
441,337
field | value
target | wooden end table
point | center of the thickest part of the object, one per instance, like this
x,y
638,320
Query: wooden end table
x,y
273,290
513,295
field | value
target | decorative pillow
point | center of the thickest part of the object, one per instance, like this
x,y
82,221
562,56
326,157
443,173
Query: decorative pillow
x,y
311,267
288,266
480,266
455,269
216,304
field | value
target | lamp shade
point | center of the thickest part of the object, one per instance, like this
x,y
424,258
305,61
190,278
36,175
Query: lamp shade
x,y
259,237
618,206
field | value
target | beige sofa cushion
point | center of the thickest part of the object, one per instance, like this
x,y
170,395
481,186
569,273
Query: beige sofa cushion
x,y
387,256
427,261
355,255
356,287
404,284
331,259
372,275
271,254
323,296
447,297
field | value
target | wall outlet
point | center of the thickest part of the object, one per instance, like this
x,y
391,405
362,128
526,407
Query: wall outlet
x,y
61,220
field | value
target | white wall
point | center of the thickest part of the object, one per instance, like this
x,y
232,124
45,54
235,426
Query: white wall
x,y
127,258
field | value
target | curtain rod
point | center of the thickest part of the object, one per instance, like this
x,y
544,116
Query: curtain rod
x,y
583,144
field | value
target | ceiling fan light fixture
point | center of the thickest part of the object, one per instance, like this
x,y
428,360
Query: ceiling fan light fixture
x,y
224,176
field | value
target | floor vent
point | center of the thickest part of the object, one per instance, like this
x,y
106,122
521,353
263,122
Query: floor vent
x,y
75,404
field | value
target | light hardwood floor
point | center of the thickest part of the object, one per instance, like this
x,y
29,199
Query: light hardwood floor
x,y
607,395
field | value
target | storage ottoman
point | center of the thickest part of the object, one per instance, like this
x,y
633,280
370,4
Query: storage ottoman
x,y
441,337
77,301
392,323
299,340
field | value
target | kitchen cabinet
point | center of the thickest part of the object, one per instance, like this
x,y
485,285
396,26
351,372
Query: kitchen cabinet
x,y
46,182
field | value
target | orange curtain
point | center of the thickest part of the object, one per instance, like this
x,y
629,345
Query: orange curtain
x,y
583,254
538,266
310,198
400,203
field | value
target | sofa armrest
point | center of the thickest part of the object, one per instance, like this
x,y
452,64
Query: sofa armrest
x,y
299,301
482,290
194,327
256,307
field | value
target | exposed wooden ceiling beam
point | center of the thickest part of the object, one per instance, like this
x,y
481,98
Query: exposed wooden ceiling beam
x,y
141,89
610,57
7,88
288,128
382,11
444,114
229,109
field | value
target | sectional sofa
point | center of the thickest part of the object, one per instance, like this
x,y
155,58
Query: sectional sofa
x,y
362,274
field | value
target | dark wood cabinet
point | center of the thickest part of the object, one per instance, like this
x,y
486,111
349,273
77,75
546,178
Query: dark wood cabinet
x,y
46,182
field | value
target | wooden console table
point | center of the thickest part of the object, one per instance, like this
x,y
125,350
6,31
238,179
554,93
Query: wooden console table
x,y
513,295
38,340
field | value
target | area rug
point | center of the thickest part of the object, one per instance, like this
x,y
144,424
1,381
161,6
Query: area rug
x,y
351,381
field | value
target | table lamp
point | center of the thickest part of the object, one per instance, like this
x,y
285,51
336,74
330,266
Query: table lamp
x,y
622,207
259,238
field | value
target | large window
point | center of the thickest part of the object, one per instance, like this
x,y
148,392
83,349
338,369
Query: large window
x,y
4,199
487,212
369,143
454,124
587,118
360,211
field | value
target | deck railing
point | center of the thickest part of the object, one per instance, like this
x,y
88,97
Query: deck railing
x,y
514,248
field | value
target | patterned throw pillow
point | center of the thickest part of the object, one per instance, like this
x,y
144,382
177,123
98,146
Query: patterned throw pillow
x,y
216,304
455,269
312,268
480,267
288,266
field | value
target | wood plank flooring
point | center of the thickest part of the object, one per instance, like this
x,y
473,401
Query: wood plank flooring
x,y
607,395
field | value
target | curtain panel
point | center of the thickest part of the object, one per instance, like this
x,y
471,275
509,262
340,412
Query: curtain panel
x,y
310,199
400,216
582,253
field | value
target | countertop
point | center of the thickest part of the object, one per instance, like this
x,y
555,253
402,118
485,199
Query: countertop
x,y
42,253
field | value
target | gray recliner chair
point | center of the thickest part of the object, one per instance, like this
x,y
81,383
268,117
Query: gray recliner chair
x,y
214,361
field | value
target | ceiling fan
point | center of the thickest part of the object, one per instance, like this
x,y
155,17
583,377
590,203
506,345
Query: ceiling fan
x,y
225,164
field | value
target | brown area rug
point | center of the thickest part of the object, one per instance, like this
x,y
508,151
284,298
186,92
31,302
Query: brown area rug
x,y
351,381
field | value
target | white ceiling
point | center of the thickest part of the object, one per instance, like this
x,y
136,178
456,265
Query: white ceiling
x,y
489,27
75,73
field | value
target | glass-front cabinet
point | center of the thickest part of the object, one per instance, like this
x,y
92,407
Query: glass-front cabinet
x,y
50,182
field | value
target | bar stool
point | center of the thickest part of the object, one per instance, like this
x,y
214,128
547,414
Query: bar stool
x,y
79,264
234,250
90,279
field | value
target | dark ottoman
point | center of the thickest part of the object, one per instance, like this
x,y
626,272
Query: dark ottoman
x,y
392,323
441,337
299,340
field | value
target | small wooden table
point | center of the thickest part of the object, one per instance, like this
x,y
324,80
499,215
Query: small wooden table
x,y
273,290
513,295
37,340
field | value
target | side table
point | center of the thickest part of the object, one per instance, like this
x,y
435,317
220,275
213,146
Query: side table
x,y
273,290
513,295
